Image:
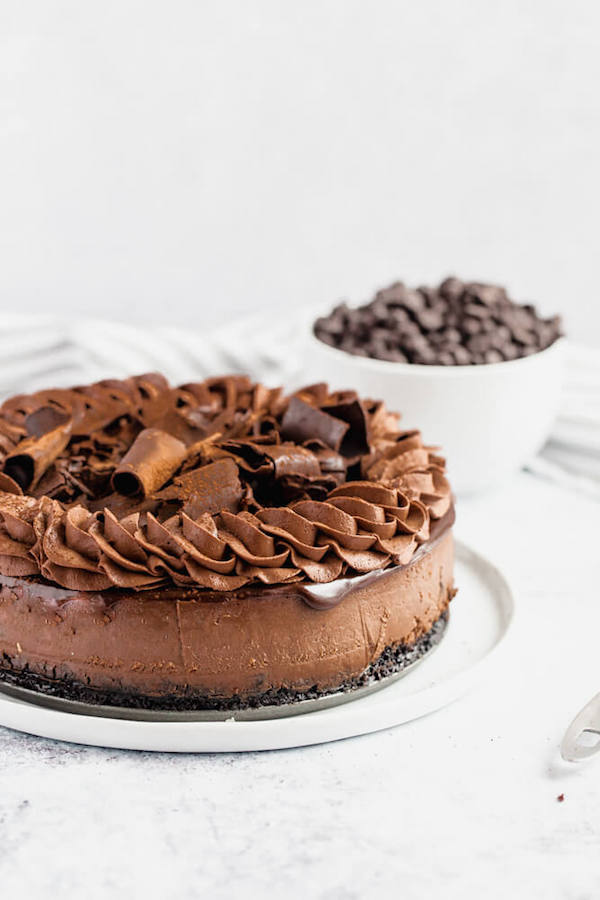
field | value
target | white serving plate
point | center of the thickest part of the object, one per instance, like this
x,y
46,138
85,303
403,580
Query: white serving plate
x,y
472,647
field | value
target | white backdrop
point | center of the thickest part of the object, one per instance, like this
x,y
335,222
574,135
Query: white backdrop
x,y
190,160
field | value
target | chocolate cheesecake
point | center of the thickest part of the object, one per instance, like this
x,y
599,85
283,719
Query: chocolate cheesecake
x,y
216,545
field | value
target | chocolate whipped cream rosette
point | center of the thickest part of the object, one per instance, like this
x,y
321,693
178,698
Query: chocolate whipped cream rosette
x,y
217,544
463,359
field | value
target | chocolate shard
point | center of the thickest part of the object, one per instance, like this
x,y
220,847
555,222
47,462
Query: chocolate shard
x,y
9,485
151,460
182,425
208,489
330,461
45,419
356,439
302,422
53,482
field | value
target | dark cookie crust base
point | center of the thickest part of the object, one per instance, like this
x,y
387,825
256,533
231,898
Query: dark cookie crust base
x,y
392,660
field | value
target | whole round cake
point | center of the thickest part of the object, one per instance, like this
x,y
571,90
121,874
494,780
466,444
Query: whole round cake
x,y
216,545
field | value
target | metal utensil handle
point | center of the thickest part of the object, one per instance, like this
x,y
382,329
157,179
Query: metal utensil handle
x,y
582,737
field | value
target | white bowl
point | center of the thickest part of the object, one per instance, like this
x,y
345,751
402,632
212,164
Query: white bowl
x,y
487,419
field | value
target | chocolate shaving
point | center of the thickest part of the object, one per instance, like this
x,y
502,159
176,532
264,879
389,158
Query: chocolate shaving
x,y
250,457
9,485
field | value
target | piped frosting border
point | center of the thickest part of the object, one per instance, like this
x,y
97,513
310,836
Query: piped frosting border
x,y
134,484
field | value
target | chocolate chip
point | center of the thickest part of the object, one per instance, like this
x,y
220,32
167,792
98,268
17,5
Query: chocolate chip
x,y
471,326
502,334
331,327
397,318
413,301
510,351
394,295
479,343
425,356
478,310
488,294
430,319
452,288
457,323
452,335
380,310
492,356
461,355
522,335
327,338
391,355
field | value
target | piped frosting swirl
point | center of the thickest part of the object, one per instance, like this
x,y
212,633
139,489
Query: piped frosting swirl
x,y
135,483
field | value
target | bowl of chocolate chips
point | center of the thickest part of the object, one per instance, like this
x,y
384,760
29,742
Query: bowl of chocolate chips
x,y
479,373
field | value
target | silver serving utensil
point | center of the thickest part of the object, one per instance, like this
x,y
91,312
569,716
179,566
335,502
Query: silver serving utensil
x,y
582,737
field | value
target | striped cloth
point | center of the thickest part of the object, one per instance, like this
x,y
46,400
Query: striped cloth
x,y
37,352
572,455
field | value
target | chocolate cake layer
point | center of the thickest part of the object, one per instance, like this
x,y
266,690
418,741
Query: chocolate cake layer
x,y
180,648
392,661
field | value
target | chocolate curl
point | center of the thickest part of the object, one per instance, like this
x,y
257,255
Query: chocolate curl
x,y
30,459
150,461
303,422
251,457
289,459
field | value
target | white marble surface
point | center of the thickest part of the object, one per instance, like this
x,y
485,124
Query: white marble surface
x,y
460,804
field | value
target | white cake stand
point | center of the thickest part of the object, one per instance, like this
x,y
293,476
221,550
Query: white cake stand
x,y
473,647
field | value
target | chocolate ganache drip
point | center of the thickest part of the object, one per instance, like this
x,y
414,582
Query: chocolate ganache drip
x,y
135,484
